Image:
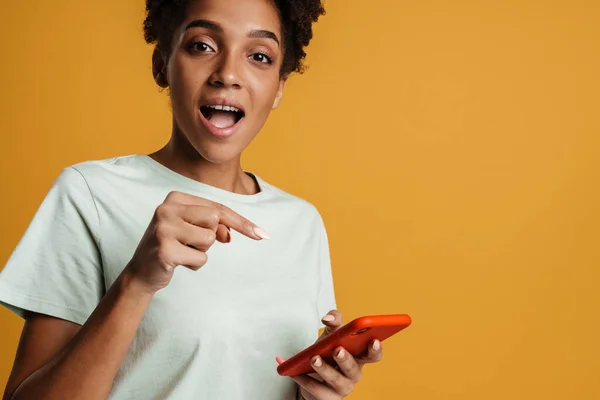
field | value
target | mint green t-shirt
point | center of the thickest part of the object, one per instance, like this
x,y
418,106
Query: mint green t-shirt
x,y
211,334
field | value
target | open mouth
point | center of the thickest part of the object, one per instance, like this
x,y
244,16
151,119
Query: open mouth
x,y
222,116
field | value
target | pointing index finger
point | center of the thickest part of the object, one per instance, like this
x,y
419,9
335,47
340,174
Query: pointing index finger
x,y
230,218
227,216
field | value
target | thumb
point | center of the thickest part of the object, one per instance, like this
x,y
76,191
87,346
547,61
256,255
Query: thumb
x,y
332,321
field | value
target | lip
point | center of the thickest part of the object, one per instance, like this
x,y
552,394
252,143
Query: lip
x,y
222,133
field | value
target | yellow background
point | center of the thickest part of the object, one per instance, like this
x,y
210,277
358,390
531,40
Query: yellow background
x,y
452,148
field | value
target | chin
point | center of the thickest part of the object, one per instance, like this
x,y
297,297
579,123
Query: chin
x,y
219,150
215,148
218,153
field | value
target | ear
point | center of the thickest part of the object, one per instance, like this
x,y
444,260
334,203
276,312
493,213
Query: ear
x,y
159,69
280,90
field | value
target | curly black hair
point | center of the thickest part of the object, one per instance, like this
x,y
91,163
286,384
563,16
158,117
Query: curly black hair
x,y
297,17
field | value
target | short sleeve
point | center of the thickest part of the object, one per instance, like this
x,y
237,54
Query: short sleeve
x,y
56,268
326,298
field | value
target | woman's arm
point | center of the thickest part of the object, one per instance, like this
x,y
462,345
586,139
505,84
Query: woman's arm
x,y
57,359
183,228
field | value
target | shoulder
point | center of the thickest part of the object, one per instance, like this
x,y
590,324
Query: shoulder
x,y
122,165
79,183
110,174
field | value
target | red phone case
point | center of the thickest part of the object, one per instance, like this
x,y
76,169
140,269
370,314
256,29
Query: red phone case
x,y
355,337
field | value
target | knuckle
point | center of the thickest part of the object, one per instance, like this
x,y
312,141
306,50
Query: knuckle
x,y
224,210
340,382
161,232
211,237
347,390
173,197
163,211
168,268
221,208
213,217
163,255
247,225
357,377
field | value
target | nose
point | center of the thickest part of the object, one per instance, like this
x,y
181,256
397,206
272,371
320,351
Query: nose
x,y
226,74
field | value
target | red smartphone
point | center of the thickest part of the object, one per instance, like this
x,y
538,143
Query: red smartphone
x,y
355,337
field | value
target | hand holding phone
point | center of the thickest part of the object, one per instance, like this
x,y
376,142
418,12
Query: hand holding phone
x,y
355,337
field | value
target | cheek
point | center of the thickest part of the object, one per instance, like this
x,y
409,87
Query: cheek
x,y
264,93
185,81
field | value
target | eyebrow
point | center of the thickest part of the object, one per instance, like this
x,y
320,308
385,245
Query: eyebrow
x,y
259,33
213,26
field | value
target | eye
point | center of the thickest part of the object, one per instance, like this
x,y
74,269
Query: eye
x,y
200,47
261,58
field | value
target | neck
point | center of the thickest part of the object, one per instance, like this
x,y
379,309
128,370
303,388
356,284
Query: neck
x,y
179,156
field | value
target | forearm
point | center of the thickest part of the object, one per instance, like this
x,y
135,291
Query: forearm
x,y
86,368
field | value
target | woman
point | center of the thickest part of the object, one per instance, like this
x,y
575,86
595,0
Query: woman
x,y
94,275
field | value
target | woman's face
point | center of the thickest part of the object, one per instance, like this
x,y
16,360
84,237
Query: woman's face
x,y
223,74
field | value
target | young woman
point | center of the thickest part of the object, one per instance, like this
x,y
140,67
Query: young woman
x,y
107,312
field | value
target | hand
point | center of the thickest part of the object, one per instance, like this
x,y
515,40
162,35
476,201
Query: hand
x,y
181,231
329,383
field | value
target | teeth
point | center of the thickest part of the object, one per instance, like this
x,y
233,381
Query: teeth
x,y
224,108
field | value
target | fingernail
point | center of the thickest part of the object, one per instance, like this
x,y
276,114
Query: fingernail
x,y
341,354
376,345
261,234
228,236
328,318
317,362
